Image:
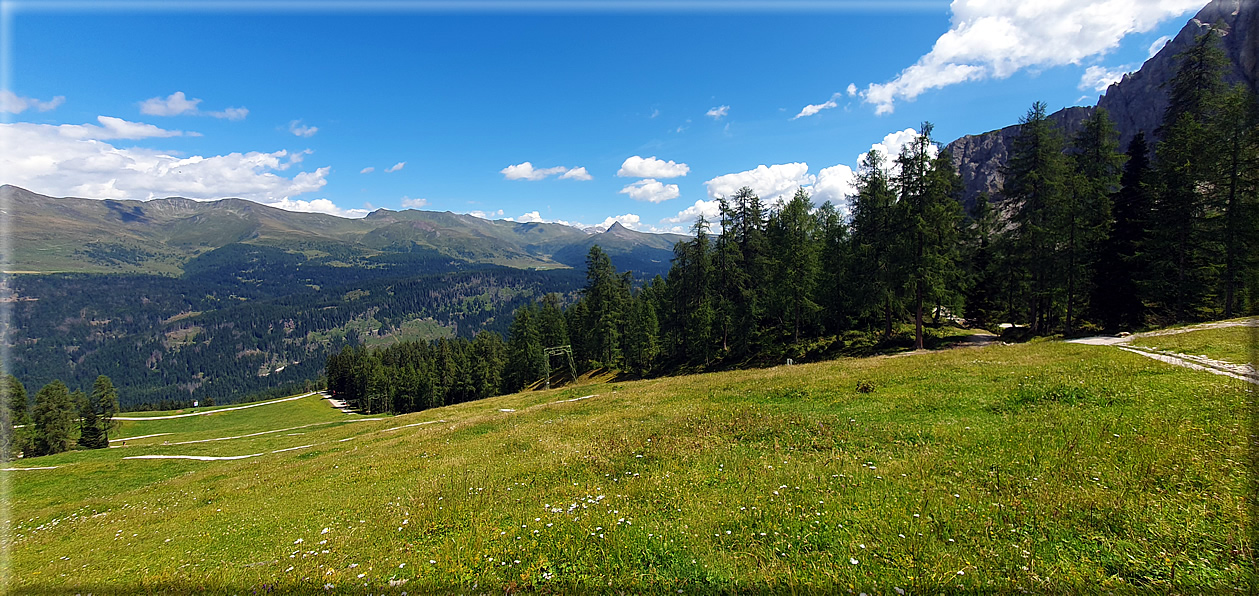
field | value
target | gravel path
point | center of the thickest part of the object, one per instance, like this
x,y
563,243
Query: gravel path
x,y
1242,372
208,412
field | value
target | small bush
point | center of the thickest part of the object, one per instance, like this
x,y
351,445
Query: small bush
x,y
865,387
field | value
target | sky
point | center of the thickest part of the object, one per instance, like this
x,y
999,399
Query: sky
x,y
585,113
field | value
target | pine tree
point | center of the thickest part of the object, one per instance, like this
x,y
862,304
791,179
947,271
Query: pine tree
x,y
876,243
1116,299
1035,178
525,354
13,412
929,192
792,235
1234,129
1182,246
104,400
983,289
54,416
1084,217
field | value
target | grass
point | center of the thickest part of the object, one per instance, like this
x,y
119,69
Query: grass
x,y
1229,344
1047,467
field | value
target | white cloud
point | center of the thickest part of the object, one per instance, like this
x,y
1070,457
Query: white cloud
x,y
396,167
852,89
410,203
654,112
718,112
709,209
172,105
892,143
770,183
1099,78
296,127
637,167
115,128
367,170
1158,45
996,39
13,103
177,103
651,190
812,109
318,206
75,160
232,114
530,217
486,215
577,174
834,184
526,171
628,220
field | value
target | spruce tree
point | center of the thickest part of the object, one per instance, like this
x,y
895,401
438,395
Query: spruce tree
x,y
54,416
877,229
1084,218
1035,183
1117,293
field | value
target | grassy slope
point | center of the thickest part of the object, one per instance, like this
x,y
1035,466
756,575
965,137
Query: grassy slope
x,y
1044,466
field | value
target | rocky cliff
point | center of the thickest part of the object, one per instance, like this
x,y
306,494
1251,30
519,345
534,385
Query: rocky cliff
x,y
1136,103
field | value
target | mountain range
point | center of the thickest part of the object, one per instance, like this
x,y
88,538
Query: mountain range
x,y
161,236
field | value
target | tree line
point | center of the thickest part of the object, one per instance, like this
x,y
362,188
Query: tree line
x,y
1082,238
50,426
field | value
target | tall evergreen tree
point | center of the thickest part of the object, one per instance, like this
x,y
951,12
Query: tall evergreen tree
x,y
1084,218
54,416
1035,177
525,354
1181,275
793,241
876,243
1116,299
1234,129
929,192
104,400
13,413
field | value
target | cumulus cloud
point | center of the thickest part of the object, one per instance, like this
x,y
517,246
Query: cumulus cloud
x,y
718,112
296,127
852,90
530,217
396,167
410,203
709,209
13,103
637,167
834,184
577,174
486,214
812,109
318,206
526,171
177,103
367,170
76,160
1099,78
651,190
892,143
996,39
770,183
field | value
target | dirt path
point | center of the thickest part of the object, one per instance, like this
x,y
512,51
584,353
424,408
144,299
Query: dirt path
x,y
1242,372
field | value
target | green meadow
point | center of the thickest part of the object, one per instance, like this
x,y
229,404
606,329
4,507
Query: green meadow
x,y
1047,467
1230,344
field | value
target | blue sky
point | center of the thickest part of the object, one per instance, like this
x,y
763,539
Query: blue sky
x,y
565,112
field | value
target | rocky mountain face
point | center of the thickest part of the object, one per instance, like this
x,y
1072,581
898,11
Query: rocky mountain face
x,y
1136,103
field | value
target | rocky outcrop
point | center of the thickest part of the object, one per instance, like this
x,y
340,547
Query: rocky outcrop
x,y
1136,103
